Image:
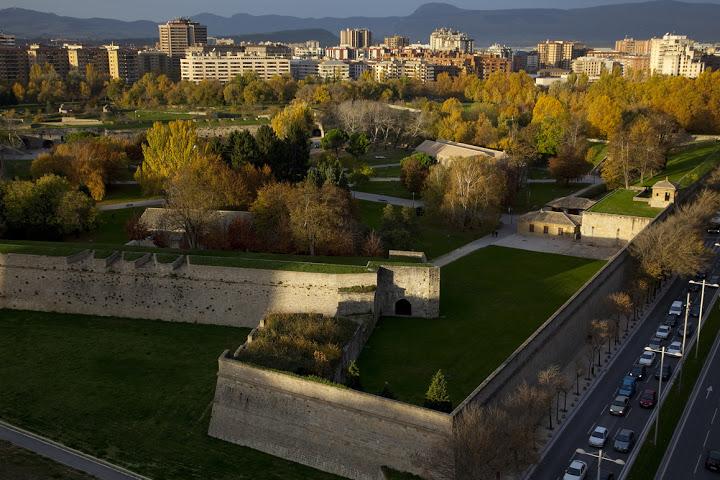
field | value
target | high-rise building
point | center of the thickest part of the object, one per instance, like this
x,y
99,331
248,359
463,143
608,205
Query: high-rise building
x,y
447,40
630,46
7,40
396,42
176,36
559,53
675,55
355,37
153,61
122,63
51,55
13,65
199,65
79,57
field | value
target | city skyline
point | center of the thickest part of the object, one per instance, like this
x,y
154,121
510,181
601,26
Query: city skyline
x,y
157,11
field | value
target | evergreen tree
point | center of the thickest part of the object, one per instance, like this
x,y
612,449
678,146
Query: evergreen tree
x,y
353,376
437,396
243,149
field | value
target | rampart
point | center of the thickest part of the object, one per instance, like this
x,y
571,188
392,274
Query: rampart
x,y
185,292
604,229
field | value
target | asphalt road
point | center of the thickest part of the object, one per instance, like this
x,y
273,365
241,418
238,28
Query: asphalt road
x,y
594,410
64,455
699,428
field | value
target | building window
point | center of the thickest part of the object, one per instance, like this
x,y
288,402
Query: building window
x,y
560,232
546,229
531,228
667,196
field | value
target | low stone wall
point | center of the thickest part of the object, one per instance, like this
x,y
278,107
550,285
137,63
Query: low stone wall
x,y
334,429
420,286
606,229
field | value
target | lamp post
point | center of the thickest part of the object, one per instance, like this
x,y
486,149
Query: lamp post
x,y
662,363
601,458
702,304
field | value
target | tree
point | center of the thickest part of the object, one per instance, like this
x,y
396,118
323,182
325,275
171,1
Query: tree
x,y
569,163
334,140
413,173
297,115
621,305
373,246
547,380
328,170
437,396
353,376
358,144
169,149
396,228
243,149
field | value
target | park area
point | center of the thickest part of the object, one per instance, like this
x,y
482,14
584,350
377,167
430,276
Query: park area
x,y
620,202
135,392
491,302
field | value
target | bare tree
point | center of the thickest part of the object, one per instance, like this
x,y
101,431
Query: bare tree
x,y
547,379
621,305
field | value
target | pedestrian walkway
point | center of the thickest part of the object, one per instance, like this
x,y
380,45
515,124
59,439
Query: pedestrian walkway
x,y
506,229
373,197
384,179
153,202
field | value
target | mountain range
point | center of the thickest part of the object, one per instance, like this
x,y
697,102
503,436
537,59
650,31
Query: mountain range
x,y
594,25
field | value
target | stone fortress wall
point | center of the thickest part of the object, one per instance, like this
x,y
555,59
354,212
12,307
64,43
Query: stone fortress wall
x,y
184,292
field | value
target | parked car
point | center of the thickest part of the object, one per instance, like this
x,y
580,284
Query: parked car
x,y
666,372
627,386
655,343
619,406
598,437
712,460
676,308
663,332
639,372
675,348
671,320
576,471
648,398
624,440
647,359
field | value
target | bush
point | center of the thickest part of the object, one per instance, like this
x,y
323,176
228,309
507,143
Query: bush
x,y
135,229
437,396
353,376
304,344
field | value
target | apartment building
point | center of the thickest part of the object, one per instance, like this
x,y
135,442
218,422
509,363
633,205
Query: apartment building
x,y
122,63
355,37
528,62
675,55
301,68
334,70
446,40
176,36
153,61
396,42
13,65
559,53
594,66
7,40
52,55
399,68
501,51
79,57
630,46
199,65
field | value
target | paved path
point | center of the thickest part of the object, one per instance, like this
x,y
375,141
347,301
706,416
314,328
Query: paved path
x,y
373,197
506,229
386,165
65,455
592,179
153,202
556,245
384,179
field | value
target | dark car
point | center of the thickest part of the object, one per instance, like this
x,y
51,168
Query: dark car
x,y
671,321
712,461
713,229
648,398
619,406
690,331
639,372
666,372
624,440
655,343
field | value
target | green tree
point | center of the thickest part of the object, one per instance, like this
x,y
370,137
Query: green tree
x,y
353,376
437,396
334,140
243,149
358,144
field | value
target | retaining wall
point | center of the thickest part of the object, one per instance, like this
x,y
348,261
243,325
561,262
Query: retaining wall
x,y
606,229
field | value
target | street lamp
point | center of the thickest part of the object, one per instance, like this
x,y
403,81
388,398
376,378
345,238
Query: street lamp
x,y
662,362
600,458
702,302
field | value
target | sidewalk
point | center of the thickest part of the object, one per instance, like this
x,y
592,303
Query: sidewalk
x,y
506,229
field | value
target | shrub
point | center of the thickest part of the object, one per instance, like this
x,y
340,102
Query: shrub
x,y
437,396
353,376
135,229
387,392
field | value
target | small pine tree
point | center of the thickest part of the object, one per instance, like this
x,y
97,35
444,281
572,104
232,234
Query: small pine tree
x,y
437,396
353,376
386,392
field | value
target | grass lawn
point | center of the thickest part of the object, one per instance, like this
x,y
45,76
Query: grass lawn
x,y
538,173
491,301
650,456
388,171
123,194
688,164
20,464
536,195
391,189
111,229
19,169
597,153
134,392
620,202
433,239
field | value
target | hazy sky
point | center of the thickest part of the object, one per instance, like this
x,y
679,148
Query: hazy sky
x,y
163,9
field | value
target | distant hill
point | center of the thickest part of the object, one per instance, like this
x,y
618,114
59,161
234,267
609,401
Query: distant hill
x,y
594,25
291,36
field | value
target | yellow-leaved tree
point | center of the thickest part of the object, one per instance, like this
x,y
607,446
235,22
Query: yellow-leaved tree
x,y
296,115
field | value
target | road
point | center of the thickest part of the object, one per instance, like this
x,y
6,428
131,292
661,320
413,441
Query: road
x,y
594,409
64,455
153,202
699,428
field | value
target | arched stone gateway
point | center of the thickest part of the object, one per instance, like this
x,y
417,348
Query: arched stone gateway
x,y
403,307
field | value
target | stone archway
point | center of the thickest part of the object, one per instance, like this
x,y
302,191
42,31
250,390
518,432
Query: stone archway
x,y
403,307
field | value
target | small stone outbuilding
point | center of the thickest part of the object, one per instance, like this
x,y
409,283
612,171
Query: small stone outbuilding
x,y
550,223
570,205
664,193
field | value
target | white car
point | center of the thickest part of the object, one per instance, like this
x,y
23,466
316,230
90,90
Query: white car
x,y
663,332
675,348
598,437
676,308
576,471
647,359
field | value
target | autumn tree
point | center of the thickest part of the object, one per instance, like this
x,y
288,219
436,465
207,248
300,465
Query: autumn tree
x,y
414,170
297,115
569,163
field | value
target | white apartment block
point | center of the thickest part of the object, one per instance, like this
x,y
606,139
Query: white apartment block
x,y
7,40
301,68
334,70
594,66
224,66
447,40
675,55
399,68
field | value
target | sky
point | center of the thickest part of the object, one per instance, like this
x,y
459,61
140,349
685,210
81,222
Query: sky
x,y
163,9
